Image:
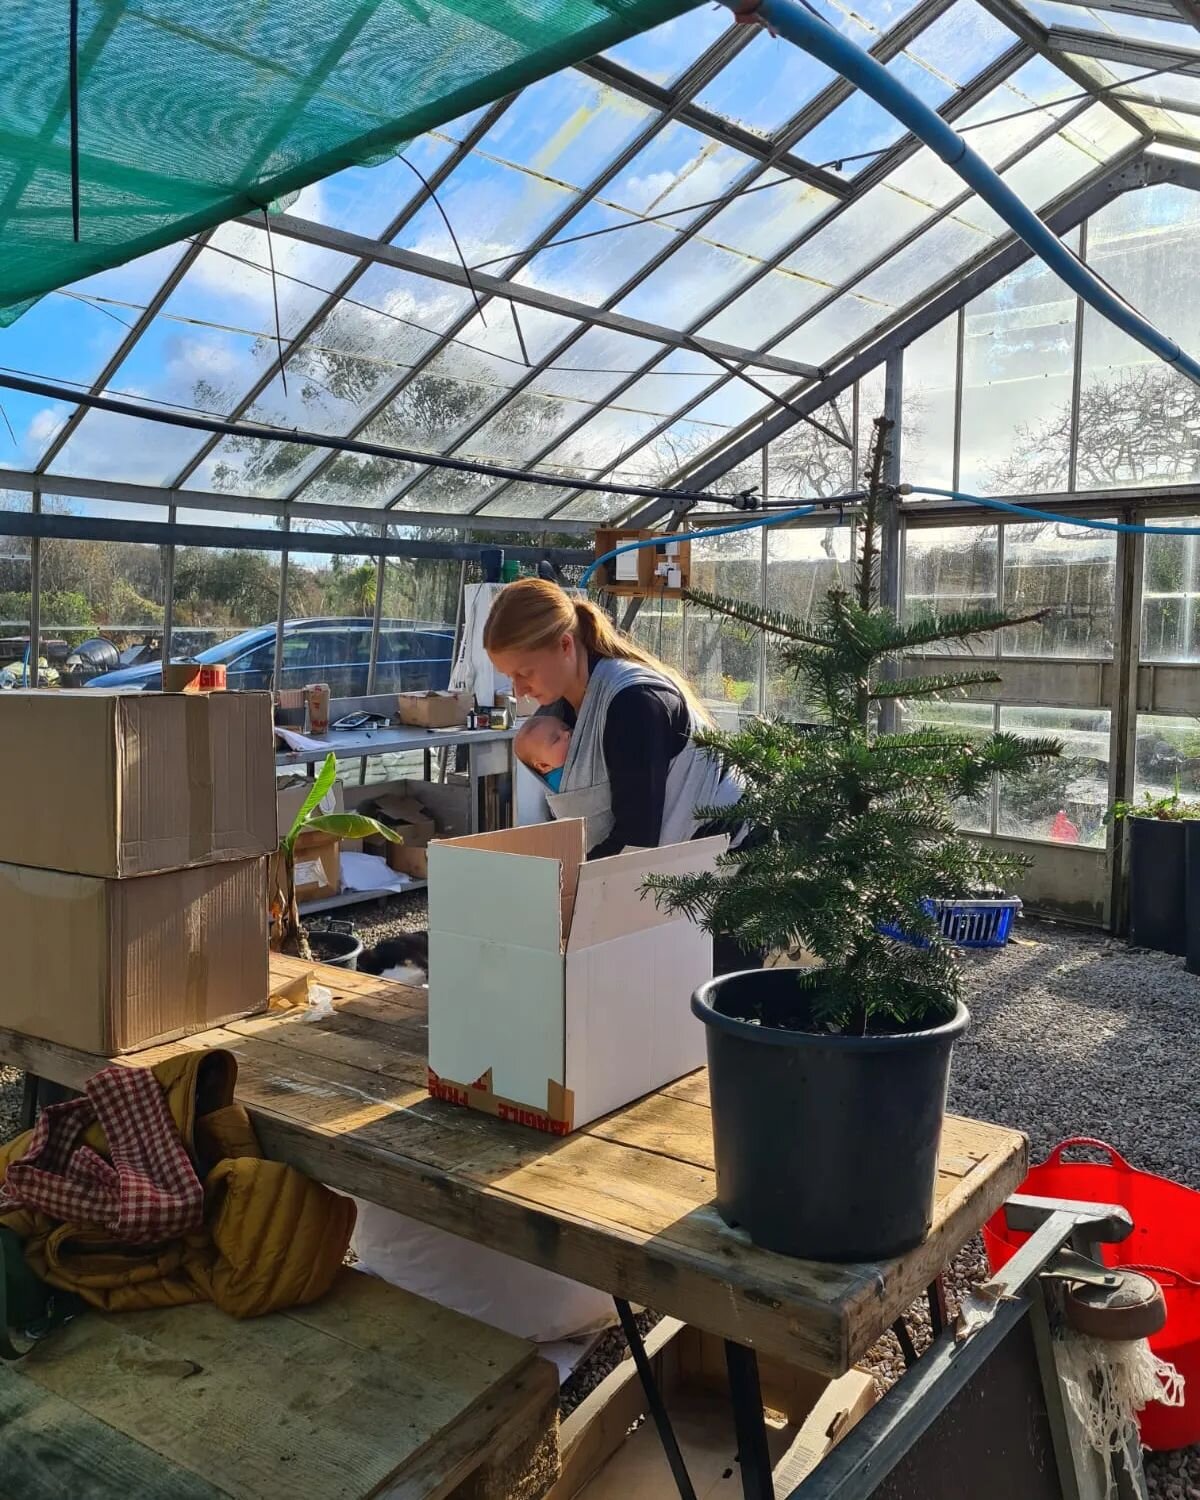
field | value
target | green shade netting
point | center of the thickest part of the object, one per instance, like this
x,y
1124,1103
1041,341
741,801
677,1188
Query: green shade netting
x,y
194,111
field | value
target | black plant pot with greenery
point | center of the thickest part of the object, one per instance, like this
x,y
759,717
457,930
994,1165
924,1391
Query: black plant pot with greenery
x,y
1156,828
829,1082
781,1102
1157,908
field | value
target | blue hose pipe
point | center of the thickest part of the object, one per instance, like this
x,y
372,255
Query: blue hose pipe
x,y
812,34
1032,513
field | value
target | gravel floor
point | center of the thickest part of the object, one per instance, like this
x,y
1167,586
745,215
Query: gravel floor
x,y
1072,1034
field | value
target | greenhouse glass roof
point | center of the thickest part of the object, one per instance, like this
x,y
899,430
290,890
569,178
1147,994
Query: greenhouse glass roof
x,y
611,273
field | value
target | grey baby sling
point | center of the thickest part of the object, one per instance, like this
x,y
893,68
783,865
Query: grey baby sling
x,y
693,780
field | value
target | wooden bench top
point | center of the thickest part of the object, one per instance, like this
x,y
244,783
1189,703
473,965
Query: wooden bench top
x,y
370,1391
625,1204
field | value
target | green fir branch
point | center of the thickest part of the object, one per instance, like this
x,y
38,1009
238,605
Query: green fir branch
x,y
771,621
936,683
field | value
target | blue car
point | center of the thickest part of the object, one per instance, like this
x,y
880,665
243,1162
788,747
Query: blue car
x,y
412,657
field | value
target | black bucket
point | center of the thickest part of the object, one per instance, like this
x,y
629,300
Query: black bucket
x,y
340,950
1157,905
826,1146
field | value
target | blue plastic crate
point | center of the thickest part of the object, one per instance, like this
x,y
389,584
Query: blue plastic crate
x,y
965,924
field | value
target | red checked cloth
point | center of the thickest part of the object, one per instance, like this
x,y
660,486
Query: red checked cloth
x,y
149,1191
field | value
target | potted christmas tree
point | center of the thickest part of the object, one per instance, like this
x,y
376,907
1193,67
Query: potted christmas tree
x,y
829,1083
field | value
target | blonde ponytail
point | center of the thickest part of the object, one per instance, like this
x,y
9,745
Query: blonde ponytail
x,y
533,613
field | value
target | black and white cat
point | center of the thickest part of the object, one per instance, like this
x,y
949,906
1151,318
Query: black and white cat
x,y
404,959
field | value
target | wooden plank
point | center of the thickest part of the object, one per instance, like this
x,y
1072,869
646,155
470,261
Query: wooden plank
x,y
339,1399
520,1415
52,1450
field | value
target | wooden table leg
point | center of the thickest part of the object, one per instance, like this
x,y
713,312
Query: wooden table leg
x,y
658,1410
749,1422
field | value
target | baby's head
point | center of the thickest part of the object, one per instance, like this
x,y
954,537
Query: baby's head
x,y
542,743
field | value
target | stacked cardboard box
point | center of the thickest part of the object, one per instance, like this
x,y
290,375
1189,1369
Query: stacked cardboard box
x,y
132,872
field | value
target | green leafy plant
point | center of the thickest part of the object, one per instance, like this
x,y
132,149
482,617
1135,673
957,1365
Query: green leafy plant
x,y
850,824
1172,809
289,935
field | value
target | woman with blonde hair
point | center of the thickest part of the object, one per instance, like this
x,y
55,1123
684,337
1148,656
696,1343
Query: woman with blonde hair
x,y
633,769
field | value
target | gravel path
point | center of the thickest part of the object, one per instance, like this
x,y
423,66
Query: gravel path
x,y
1072,1034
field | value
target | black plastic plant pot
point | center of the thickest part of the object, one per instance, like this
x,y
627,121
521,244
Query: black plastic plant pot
x,y
1192,895
1157,903
340,950
826,1145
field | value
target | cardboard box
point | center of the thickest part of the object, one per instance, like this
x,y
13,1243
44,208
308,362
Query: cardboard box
x,y
402,811
119,784
556,992
318,866
193,677
434,710
111,965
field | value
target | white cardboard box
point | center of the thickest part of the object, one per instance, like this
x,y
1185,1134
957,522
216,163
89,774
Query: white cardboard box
x,y
556,991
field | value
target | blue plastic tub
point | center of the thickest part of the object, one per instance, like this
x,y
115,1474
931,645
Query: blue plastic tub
x,y
966,924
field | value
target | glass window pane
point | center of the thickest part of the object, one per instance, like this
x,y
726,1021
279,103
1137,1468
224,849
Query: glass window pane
x,y
658,626
936,254
567,127
723,657
948,568
871,392
113,590
760,314
1063,800
762,222
865,229
1139,422
807,462
666,52
1071,572
766,84
1171,596
927,422
803,564
1167,754
1018,353
221,593
833,330
366,200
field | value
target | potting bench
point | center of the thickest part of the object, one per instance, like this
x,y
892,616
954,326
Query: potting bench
x,y
625,1204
